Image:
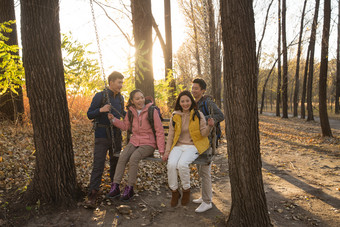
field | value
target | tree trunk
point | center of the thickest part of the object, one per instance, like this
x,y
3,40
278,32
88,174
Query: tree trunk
x,y
218,61
197,54
278,91
142,32
11,104
285,64
326,129
265,85
304,86
248,206
212,49
297,71
310,116
168,55
337,92
55,174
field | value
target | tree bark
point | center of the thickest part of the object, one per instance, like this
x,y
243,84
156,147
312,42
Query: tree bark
x,y
11,104
325,127
168,55
337,89
142,32
304,86
212,48
55,174
285,64
310,116
297,71
278,90
248,206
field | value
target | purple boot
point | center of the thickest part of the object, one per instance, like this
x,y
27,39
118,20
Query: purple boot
x,y
114,192
128,193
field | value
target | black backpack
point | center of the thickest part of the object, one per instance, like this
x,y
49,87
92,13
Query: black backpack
x,y
150,119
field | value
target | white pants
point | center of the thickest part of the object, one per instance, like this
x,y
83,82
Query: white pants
x,y
180,157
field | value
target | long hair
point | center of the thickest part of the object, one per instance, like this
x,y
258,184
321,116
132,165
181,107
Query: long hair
x,y
132,94
187,93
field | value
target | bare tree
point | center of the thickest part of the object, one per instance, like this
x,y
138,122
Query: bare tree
x,y
11,104
297,71
278,90
310,116
265,85
142,32
326,129
304,86
248,206
285,63
55,174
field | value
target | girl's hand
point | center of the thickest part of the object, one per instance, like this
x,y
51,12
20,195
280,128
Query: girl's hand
x,y
211,122
165,156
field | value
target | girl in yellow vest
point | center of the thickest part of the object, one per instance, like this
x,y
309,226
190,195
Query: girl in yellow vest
x,y
187,139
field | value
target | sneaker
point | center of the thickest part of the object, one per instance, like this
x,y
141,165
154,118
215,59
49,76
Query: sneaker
x,y
114,192
199,200
128,193
203,207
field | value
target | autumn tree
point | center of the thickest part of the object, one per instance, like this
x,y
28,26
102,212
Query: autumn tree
x,y
285,63
249,207
310,116
142,32
297,71
326,129
54,178
11,102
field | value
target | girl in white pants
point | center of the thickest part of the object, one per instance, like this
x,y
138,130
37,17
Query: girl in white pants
x,y
187,139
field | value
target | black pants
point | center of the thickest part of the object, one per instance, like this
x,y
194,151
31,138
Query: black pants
x,y
101,146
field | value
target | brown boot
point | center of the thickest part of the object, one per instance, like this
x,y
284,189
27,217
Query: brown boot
x,y
91,199
175,197
186,197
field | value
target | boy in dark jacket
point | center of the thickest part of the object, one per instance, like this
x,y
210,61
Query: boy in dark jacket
x,y
98,112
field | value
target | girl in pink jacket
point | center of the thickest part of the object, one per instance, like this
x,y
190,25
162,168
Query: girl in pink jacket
x,y
142,143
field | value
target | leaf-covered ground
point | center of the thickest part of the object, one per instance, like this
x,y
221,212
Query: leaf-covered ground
x,y
300,171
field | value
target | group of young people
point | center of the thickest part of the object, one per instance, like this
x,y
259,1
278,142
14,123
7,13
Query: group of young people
x,y
188,137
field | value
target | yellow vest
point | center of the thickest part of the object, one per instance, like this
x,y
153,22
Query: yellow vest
x,y
200,142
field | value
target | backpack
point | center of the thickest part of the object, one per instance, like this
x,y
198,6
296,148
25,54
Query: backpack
x,y
150,119
205,111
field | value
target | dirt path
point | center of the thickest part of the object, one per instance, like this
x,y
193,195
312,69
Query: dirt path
x,y
301,178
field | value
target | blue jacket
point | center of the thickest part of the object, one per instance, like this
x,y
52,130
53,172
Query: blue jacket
x,y
117,102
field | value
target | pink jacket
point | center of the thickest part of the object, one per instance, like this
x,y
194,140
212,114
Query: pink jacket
x,y
142,133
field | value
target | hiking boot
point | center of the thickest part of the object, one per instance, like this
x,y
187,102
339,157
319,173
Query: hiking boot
x,y
175,197
91,199
114,192
128,193
186,197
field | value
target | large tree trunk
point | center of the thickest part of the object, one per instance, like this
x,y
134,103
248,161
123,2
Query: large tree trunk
x,y
285,64
297,71
337,92
142,32
310,116
278,90
11,104
326,129
249,207
168,54
55,174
